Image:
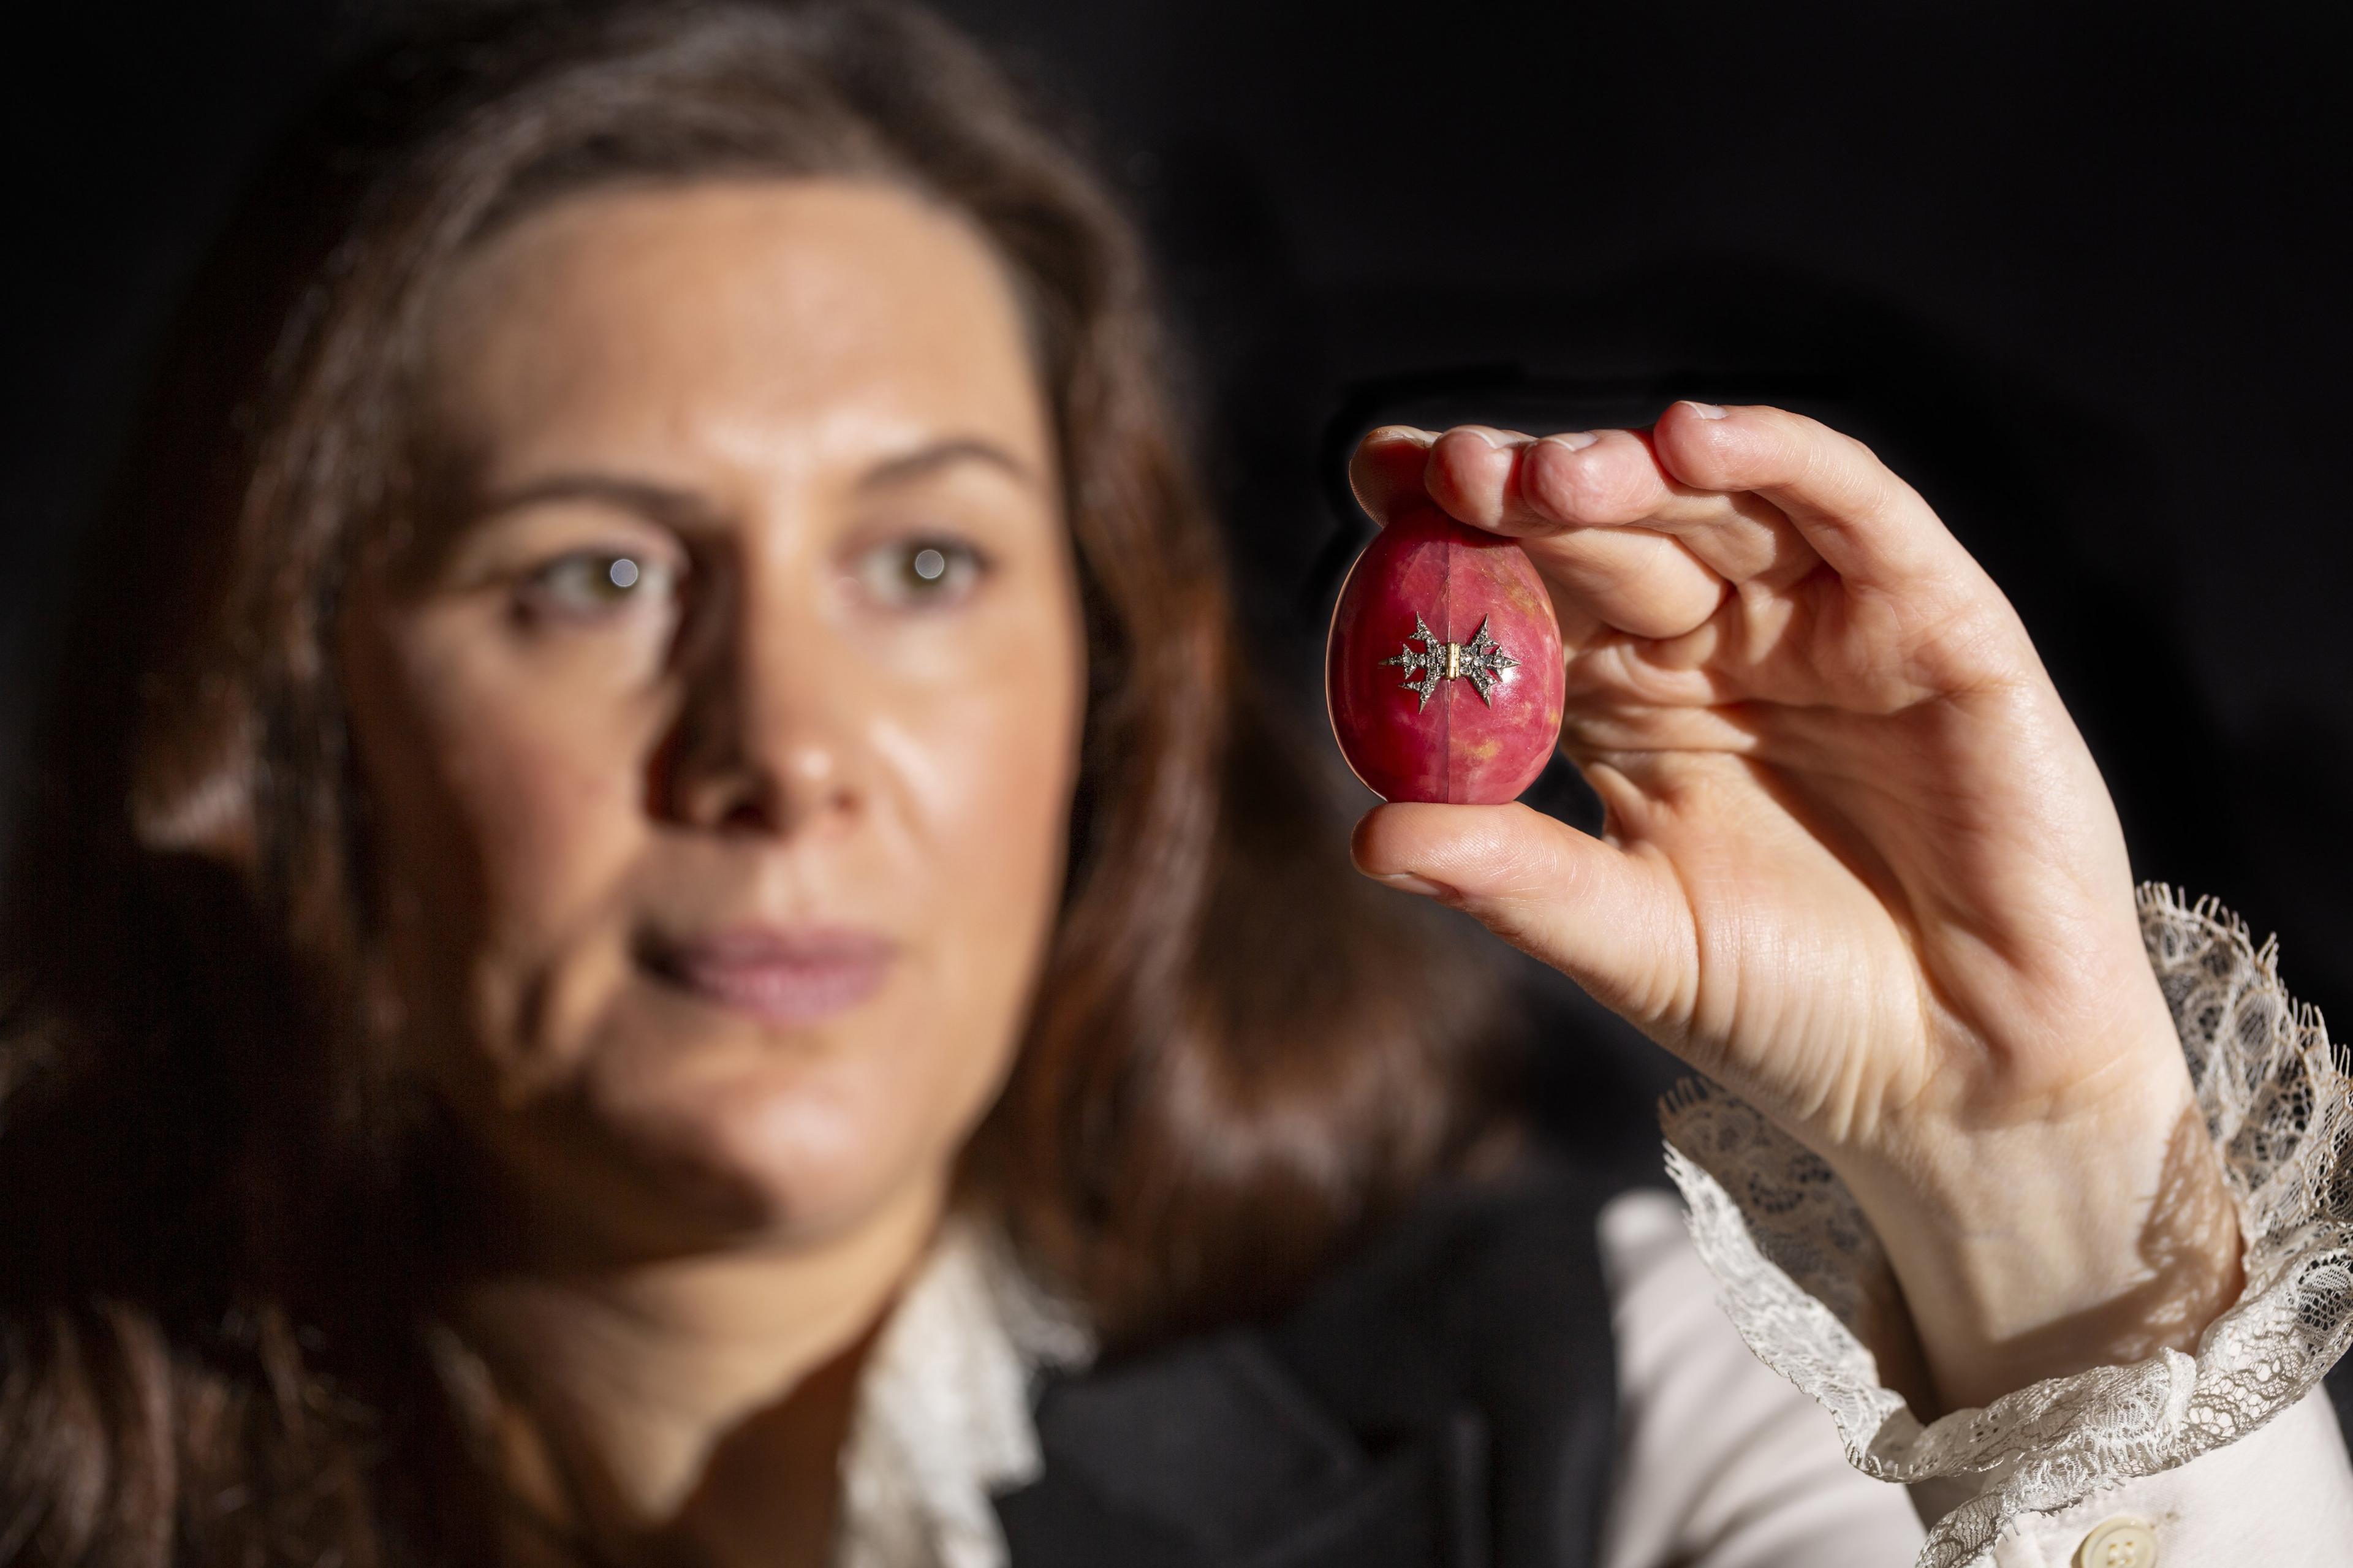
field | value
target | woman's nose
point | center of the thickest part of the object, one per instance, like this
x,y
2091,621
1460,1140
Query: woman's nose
x,y
765,739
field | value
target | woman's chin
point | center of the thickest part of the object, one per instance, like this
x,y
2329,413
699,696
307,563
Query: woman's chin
x,y
717,1143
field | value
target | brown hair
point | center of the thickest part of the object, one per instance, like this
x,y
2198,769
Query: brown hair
x,y
216,1298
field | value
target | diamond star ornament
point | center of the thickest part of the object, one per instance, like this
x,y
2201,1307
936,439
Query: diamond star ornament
x,y
1478,660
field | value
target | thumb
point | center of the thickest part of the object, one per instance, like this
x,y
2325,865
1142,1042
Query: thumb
x,y
1615,923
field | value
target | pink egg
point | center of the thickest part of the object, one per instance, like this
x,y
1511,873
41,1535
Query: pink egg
x,y
1442,672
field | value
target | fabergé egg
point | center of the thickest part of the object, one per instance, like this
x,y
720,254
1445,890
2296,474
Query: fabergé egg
x,y
1442,671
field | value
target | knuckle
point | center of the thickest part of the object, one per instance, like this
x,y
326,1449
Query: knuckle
x,y
1842,477
1595,485
1456,488
1966,644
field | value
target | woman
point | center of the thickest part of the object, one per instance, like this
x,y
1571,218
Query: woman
x,y
669,936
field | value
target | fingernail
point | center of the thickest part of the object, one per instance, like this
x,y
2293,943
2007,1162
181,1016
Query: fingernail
x,y
1575,440
1706,410
1406,881
1493,437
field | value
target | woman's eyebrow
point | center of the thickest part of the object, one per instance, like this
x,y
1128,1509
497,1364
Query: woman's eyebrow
x,y
665,503
925,461
659,502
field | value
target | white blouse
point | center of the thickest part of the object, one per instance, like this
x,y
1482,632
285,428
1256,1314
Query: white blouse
x,y
1753,1430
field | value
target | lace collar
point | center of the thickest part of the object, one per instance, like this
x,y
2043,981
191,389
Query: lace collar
x,y
943,1412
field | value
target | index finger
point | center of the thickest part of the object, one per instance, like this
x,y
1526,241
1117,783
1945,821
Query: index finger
x,y
1387,470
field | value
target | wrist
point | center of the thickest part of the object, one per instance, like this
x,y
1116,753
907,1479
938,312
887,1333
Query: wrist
x,y
2055,1248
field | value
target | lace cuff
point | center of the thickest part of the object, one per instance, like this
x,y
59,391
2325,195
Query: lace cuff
x,y
1806,1282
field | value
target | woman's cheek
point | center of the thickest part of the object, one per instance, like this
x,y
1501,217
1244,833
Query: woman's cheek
x,y
988,801
542,780
987,764
555,801
985,867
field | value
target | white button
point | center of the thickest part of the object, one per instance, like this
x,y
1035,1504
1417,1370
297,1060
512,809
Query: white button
x,y
2119,1543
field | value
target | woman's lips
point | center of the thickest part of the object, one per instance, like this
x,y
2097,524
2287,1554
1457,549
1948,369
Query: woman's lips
x,y
788,975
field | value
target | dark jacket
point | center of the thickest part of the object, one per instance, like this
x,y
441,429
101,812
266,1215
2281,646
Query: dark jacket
x,y
1446,1399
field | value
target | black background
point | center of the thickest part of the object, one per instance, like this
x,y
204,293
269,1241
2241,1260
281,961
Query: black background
x,y
2073,270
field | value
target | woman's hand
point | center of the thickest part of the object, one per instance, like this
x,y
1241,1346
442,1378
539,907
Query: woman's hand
x,y
1858,867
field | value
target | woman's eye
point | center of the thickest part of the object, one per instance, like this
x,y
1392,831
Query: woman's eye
x,y
588,582
909,573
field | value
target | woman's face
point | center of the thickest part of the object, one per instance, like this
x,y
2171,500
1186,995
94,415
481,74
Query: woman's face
x,y
720,736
